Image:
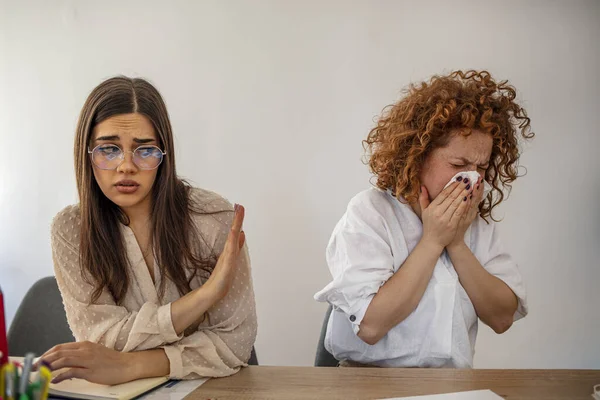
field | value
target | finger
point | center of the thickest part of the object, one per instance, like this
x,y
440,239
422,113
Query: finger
x,y
62,346
59,347
81,373
458,201
424,198
65,359
460,212
71,361
459,192
242,239
236,228
479,189
238,218
444,194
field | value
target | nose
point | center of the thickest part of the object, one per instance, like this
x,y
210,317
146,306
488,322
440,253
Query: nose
x,y
127,166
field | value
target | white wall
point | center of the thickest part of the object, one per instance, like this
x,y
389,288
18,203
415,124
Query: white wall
x,y
270,101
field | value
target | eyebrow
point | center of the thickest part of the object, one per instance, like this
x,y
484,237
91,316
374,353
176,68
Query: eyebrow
x,y
469,162
116,137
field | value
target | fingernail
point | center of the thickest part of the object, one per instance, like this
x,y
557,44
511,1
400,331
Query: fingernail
x,y
465,199
459,178
468,187
466,180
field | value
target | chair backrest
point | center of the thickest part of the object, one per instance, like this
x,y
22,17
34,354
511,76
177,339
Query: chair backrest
x,y
40,322
253,359
324,358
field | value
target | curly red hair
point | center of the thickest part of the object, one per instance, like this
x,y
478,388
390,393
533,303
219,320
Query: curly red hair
x,y
423,120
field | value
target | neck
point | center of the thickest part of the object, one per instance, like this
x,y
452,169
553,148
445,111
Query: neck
x,y
416,207
139,214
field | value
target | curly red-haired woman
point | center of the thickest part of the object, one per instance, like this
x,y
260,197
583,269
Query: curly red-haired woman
x,y
417,260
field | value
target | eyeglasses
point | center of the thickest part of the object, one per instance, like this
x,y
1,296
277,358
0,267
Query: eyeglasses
x,y
110,156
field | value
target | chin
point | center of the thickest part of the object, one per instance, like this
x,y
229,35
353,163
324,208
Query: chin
x,y
127,200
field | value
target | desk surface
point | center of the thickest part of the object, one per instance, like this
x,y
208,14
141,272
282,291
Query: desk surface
x,y
291,383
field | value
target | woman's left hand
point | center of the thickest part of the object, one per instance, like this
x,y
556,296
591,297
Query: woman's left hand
x,y
90,361
472,212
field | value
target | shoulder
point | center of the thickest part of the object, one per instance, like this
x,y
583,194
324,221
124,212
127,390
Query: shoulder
x,y
371,198
373,202
213,216
208,201
66,225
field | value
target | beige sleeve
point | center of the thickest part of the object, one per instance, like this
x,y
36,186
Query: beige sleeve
x,y
103,322
223,342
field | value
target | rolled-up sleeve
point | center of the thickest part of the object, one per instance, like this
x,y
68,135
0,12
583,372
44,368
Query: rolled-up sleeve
x,y
360,260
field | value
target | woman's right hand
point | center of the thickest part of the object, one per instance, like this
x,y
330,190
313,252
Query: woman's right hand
x,y
441,217
188,312
221,279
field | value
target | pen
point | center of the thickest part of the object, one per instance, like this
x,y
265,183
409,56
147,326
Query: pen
x,y
27,363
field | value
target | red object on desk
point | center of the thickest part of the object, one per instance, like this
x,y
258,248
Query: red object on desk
x,y
3,341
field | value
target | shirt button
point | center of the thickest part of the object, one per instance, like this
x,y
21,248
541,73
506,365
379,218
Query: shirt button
x,y
352,318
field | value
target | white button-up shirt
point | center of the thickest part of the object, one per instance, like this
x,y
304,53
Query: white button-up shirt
x,y
368,245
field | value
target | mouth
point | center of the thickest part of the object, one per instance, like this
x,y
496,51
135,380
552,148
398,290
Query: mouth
x,y
127,186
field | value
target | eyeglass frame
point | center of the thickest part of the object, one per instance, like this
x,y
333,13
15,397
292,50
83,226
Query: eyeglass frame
x,y
164,153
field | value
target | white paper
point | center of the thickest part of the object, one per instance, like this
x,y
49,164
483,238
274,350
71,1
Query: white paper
x,y
472,395
174,390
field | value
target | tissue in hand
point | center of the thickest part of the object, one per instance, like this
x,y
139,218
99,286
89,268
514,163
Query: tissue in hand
x,y
473,177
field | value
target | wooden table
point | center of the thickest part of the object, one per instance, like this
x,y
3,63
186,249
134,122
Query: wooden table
x,y
291,383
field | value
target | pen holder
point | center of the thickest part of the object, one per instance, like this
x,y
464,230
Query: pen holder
x,y
14,377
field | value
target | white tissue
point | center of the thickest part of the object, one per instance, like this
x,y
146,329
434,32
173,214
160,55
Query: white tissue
x,y
473,177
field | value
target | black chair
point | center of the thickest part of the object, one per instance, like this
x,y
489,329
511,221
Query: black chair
x,y
253,360
324,358
40,322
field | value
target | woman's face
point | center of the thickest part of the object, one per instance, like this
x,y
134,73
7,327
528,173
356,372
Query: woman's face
x,y
128,186
463,153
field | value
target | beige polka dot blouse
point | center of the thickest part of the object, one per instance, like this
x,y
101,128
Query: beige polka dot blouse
x,y
222,342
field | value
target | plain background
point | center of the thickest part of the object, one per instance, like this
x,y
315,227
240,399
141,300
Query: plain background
x,y
270,101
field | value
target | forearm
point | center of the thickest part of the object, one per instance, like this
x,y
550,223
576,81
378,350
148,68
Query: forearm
x,y
401,294
494,302
189,310
148,364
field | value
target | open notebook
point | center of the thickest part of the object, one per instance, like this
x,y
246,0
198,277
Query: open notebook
x,y
82,389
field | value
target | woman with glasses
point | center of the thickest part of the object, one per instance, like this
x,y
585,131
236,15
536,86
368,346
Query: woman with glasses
x,y
154,274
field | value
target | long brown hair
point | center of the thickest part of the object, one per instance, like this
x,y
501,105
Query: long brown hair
x,y
101,250
424,119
